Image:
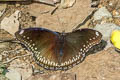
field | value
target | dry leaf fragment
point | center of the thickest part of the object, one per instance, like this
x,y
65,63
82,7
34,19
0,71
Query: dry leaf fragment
x,y
11,24
67,3
51,2
13,0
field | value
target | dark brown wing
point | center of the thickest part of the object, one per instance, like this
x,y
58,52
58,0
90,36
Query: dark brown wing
x,y
47,52
77,44
42,43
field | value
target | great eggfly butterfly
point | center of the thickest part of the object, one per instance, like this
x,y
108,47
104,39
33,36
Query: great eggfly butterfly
x,y
58,51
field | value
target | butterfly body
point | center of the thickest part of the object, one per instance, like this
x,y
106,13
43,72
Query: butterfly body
x,y
58,51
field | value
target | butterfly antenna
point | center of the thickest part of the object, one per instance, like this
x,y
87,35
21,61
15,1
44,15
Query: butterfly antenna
x,y
60,23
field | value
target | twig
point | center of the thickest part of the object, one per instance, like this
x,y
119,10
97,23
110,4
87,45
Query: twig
x,y
53,11
49,2
11,40
5,62
85,20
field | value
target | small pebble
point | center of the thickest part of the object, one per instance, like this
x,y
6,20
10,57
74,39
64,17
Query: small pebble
x,y
67,3
13,75
102,12
106,29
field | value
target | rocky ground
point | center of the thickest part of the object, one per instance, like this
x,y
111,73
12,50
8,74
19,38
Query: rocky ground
x,y
103,65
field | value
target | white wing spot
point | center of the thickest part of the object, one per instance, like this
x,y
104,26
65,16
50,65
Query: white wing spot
x,y
21,32
33,44
81,49
97,33
87,41
24,36
35,48
83,45
93,37
28,38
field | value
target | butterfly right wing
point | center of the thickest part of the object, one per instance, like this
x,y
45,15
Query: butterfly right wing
x,y
77,44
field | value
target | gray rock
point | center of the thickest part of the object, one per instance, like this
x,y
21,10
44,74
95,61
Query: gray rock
x,y
4,45
22,68
106,29
56,76
13,75
2,77
102,12
67,3
11,24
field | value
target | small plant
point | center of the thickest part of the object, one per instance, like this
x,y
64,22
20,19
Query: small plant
x,y
3,70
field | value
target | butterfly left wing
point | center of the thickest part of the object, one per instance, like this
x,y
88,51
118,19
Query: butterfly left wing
x,y
42,43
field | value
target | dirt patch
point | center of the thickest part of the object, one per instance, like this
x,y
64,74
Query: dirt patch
x,y
104,65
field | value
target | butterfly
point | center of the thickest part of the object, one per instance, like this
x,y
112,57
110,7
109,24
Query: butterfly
x,y
58,51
